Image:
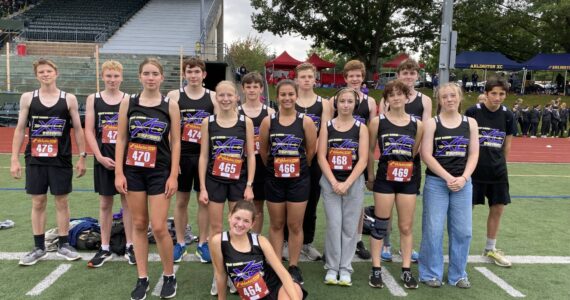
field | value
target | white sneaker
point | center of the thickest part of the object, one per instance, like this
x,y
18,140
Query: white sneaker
x,y
214,289
232,287
345,279
331,277
285,251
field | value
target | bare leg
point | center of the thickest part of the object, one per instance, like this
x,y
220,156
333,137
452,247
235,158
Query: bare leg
x,y
295,216
39,204
159,205
277,220
181,214
62,214
139,215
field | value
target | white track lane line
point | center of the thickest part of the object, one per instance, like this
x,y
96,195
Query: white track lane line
x,y
158,287
394,288
49,280
500,282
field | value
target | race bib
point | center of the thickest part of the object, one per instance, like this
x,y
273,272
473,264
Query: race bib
x,y
141,155
253,288
227,167
192,133
257,145
44,147
340,159
109,134
287,167
400,171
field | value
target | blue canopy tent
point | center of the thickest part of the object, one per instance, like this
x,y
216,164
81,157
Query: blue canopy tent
x,y
550,62
486,61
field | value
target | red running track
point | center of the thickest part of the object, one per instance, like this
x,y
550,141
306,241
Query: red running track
x,y
539,150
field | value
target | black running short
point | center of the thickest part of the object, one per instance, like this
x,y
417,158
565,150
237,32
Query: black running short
x,y
259,179
39,178
384,186
104,180
289,189
219,192
151,181
188,178
496,193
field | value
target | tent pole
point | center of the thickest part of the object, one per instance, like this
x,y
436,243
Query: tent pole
x,y
565,80
485,76
523,81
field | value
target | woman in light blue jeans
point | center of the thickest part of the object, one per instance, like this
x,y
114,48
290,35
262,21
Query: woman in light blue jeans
x,y
450,149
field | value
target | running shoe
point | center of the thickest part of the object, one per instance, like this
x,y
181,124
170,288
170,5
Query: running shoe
x,y
296,274
375,278
434,283
311,252
203,252
68,252
414,258
409,281
345,279
139,293
232,287
130,255
463,283
32,257
361,251
331,277
100,258
214,288
168,287
285,251
179,252
498,257
386,254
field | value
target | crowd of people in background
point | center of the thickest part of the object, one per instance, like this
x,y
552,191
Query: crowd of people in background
x,y
8,7
554,116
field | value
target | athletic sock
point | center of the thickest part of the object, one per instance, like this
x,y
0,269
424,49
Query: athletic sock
x,y
40,241
490,244
360,237
63,239
128,245
182,244
105,247
387,238
406,269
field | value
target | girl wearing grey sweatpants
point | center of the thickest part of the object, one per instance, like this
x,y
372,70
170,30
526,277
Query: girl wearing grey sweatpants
x,y
342,156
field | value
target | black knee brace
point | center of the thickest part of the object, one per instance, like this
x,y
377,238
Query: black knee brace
x,y
379,228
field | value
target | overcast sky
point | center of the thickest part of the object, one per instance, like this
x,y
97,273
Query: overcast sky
x,y
237,25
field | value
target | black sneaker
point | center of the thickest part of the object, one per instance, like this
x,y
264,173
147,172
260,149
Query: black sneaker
x,y
409,280
99,259
361,251
296,274
168,287
130,255
375,278
139,293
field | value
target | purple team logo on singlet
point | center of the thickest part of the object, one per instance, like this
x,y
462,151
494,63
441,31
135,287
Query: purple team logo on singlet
x,y
229,145
451,146
256,130
108,119
248,271
491,137
285,144
46,126
145,128
316,119
360,119
396,144
193,116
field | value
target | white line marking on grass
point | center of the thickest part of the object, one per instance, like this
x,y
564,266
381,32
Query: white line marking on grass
x,y
392,285
500,282
538,175
49,280
158,287
86,256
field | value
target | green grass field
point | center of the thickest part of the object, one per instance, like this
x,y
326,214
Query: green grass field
x,y
535,224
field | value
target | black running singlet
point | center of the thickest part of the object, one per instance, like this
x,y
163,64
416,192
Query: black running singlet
x,y
415,107
315,112
342,149
226,161
106,126
396,150
287,155
192,112
148,135
451,147
362,113
256,123
49,142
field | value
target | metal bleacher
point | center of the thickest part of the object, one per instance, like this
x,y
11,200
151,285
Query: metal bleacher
x,y
77,20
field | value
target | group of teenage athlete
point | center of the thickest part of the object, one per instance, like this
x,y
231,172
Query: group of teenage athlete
x,y
149,147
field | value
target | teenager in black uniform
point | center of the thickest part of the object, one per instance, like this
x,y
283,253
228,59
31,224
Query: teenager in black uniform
x,y
101,125
342,156
196,103
546,117
250,261
354,73
490,179
50,113
318,109
450,149
147,158
288,145
252,84
398,135
534,120
419,106
224,171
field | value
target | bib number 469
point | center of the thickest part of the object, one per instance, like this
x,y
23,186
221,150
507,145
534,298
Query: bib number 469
x,y
400,171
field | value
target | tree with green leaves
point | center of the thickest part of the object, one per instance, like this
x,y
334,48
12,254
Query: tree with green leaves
x,y
251,52
362,29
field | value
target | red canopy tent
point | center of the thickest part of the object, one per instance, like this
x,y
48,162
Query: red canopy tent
x,y
320,63
282,62
396,61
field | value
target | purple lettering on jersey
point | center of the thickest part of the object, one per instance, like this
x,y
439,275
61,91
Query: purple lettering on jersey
x,y
451,146
250,269
147,128
491,137
111,119
288,145
47,126
229,145
395,144
193,116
